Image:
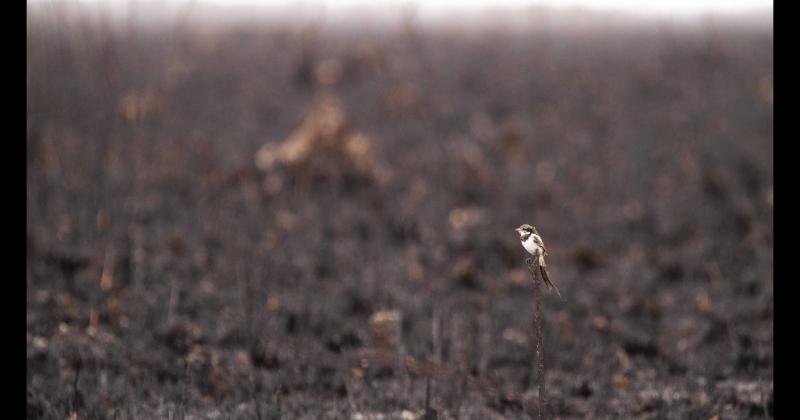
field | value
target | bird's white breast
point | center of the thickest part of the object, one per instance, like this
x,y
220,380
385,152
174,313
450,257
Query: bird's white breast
x,y
531,246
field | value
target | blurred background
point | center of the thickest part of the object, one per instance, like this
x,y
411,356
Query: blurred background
x,y
307,210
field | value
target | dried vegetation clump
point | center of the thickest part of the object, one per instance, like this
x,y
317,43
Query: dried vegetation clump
x,y
324,146
138,106
387,333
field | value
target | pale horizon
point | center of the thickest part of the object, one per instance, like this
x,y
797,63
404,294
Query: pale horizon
x,y
441,8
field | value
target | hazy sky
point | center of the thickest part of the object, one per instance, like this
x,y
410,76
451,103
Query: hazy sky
x,y
383,12
660,7
633,6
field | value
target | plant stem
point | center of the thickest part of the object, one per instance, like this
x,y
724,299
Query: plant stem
x,y
537,325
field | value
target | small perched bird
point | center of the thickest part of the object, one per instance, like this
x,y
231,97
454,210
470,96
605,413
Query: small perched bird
x,y
532,243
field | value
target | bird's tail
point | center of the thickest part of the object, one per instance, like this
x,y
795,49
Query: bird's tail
x,y
547,281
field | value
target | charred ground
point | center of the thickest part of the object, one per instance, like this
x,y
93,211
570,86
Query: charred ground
x,y
178,269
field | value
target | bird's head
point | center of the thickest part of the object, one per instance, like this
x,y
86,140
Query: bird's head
x,y
525,230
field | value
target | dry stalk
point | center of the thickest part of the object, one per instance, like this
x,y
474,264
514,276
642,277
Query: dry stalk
x,y
533,266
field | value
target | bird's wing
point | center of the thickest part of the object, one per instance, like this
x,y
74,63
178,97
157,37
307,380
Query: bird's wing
x,y
538,240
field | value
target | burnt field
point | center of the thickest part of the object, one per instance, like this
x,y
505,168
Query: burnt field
x,y
298,222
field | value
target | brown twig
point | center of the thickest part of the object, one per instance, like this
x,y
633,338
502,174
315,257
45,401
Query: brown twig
x,y
537,326
428,414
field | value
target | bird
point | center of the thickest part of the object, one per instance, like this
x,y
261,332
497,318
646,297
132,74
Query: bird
x,y
533,243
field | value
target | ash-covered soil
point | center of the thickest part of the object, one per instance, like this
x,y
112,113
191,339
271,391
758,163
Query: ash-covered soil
x,y
267,222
